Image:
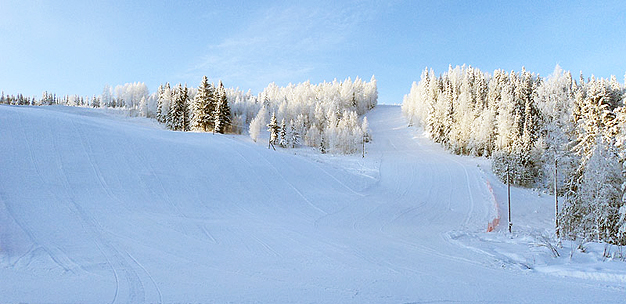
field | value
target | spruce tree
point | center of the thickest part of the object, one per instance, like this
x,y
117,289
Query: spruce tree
x,y
172,120
273,128
283,134
164,104
95,102
209,107
221,114
179,117
201,111
159,113
294,136
185,108
323,144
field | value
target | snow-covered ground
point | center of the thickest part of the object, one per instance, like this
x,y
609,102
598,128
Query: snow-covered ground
x,y
98,208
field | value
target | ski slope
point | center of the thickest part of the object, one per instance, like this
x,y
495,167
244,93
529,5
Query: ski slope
x,y
99,208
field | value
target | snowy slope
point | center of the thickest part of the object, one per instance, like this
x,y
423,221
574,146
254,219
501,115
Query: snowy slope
x,y
104,209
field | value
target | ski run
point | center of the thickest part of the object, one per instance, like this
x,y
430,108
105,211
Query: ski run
x,y
96,207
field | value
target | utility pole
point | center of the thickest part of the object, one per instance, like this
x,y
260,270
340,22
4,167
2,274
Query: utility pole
x,y
508,191
556,199
363,140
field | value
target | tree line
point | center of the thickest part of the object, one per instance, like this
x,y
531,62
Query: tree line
x,y
529,126
328,116
206,111
130,96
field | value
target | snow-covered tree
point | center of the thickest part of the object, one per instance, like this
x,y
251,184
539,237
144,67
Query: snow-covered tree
x,y
221,114
273,128
322,105
293,135
179,112
593,211
313,137
143,107
283,139
129,95
164,104
555,99
258,123
526,124
365,129
201,110
107,96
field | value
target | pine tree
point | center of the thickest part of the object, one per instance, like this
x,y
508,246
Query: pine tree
x,y
202,107
209,107
185,106
218,126
274,129
173,113
221,114
294,136
164,104
179,117
196,106
159,111
283,134
323,144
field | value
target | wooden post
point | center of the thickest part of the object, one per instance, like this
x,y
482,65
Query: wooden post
x,y
556,199
363,139
508,191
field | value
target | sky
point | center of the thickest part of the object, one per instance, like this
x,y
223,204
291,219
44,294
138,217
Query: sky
x,y
79,46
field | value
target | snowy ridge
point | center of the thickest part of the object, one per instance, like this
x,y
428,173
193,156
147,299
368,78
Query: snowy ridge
x,y
101,208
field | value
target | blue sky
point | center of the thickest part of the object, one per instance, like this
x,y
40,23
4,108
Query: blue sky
x,y
76,47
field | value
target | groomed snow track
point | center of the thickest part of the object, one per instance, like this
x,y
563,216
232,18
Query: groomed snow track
x,y
102,209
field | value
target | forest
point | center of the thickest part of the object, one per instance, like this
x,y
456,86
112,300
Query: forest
x,y
329,116
554,133
557,133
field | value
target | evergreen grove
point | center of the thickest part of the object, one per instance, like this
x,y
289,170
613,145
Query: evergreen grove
x,y
528,125
329,116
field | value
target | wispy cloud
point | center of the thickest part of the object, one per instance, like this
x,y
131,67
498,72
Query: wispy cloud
x,y
283,44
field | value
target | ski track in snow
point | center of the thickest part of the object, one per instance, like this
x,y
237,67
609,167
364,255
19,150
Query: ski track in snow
x,y
294,187
424,208
135,288
141,216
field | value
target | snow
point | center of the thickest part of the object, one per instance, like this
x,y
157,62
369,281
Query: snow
x,y
100,208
